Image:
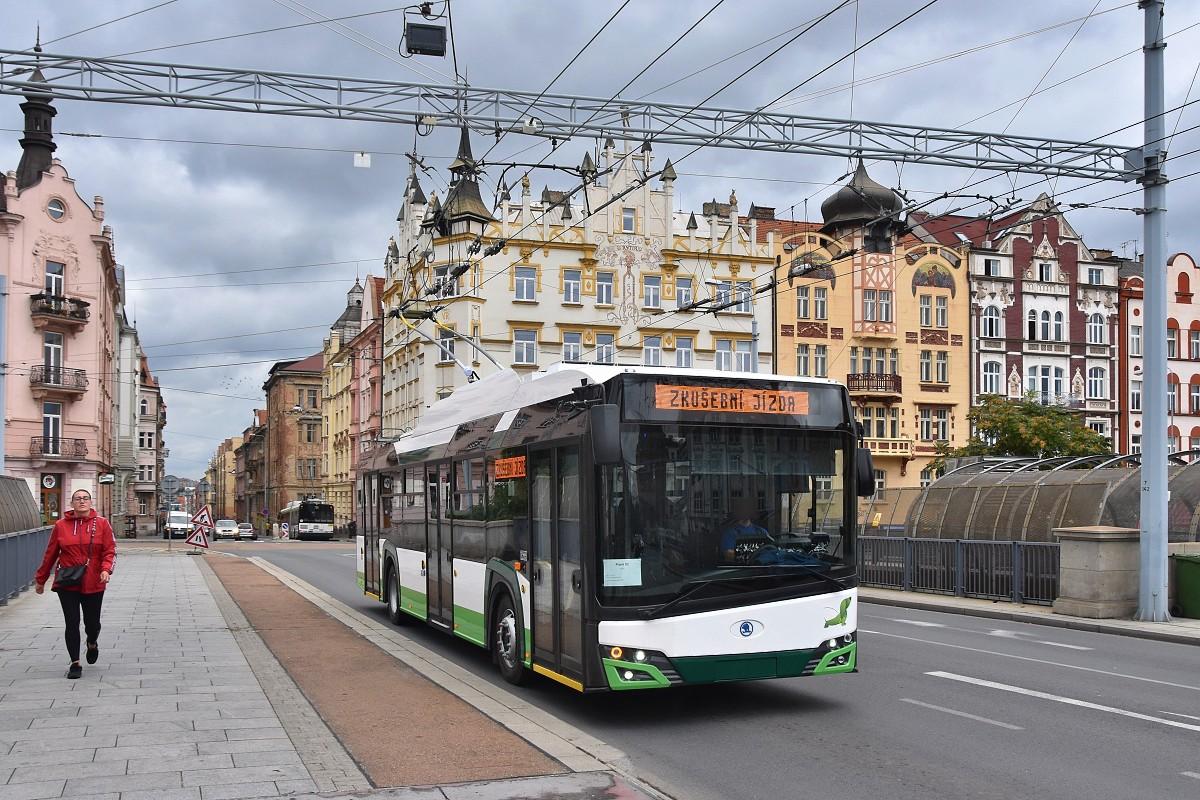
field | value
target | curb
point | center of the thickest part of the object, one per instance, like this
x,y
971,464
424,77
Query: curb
x,y
1072,623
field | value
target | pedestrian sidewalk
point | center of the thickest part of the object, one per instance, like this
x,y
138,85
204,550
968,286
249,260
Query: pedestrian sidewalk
x,y
1179,630
188,702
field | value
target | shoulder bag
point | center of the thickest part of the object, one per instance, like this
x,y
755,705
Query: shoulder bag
x,y
71,577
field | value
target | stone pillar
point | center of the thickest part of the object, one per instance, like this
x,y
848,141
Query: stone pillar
x,y
1097,572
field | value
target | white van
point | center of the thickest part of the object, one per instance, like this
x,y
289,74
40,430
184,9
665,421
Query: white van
x,y
179,525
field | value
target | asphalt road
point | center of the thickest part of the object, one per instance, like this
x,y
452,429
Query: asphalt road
x,y
945,706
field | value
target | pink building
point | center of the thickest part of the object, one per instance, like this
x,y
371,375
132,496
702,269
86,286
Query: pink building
x,y
60,324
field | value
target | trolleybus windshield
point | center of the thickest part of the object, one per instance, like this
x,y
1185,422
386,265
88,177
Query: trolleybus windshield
x,y
700,504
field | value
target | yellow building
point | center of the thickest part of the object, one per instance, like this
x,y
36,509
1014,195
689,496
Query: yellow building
x,y
861,302
337,451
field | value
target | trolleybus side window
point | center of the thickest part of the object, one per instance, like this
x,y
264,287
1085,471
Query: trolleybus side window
x,y
467,506
412,510
507,506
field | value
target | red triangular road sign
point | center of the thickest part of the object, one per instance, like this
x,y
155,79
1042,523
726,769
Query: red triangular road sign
x,y
203,519
197,538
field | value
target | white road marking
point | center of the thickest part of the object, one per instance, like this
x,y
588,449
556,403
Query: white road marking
x,y
1177,714
1033,660
1004,687
919,623
1004,634
961,714
1195,775
1063,645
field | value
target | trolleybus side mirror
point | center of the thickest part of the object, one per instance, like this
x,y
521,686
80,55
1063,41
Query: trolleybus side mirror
x,y
864,472
606,433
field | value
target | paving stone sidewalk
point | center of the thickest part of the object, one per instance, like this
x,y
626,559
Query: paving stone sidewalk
x,y
172,710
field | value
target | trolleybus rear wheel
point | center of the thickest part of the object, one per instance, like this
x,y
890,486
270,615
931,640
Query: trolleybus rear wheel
x,y
507,641
395,615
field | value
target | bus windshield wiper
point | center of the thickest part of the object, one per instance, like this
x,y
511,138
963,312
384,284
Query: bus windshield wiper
x,y
825,576
692,587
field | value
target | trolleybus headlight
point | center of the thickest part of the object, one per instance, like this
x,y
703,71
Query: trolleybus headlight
x,y
616,651
628,675
640,655
848,638
832,643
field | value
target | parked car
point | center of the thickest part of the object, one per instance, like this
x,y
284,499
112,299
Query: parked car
x,y
246,531
225,529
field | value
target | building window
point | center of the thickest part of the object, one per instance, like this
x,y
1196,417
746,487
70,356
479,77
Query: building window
x,y
1135,340
943,367
524,347
1095,275
145,473
821,362
143,507
306,469
722,293
1095,329
444,285
1032,319
445,346
869,305
942,313
1135,443
941,424
526,283
744,294
1045,331
1172,342
146,440
1135,395
742,357
820,302
885,305
571,282
144,407
802,360
54,278
926,310
604,288
802,303
880,482
1058,326
724,355
606,349
1045,272
683,351
991,377
56,209
1194,397
853,360
1172,396
926,366
628,220
652,351
683,292
572,347
652,291
991,267
1097,385
991,323
1194,345
309,432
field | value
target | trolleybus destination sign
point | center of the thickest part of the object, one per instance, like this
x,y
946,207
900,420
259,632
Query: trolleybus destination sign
x,y
730,400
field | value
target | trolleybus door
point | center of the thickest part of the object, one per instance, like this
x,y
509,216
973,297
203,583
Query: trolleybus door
x,y
369,525
438,558
556,575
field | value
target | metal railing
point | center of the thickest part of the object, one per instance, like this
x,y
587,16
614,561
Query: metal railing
x,y
58,446
69,308
58,377
873,382
1021,572
20,555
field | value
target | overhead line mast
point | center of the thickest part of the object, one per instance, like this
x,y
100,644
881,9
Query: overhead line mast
x,y
555,116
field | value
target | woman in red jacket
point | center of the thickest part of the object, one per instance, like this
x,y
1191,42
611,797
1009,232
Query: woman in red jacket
x,y
81,537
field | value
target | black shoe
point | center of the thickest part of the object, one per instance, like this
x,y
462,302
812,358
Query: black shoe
x,y
75,671
93,652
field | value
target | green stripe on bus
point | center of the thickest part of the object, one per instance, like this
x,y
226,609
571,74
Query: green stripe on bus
x,y
469,625
641,676
413,602
829,665
748,667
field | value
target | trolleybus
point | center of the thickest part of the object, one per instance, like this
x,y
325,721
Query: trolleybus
x,y
623,528
308,519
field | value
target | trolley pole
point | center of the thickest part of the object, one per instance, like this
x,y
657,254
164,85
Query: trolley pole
x,y
1152,581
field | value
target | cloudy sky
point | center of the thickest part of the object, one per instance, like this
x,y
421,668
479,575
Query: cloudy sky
x,y
239,255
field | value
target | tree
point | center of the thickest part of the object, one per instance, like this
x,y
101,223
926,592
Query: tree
x,y
1024,428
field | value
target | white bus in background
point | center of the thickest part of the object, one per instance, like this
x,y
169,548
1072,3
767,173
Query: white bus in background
x,y
308,519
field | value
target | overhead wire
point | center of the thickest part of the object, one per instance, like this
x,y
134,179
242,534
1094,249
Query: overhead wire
x,y
109,22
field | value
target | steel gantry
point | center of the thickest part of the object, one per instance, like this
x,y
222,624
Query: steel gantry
x,y
553,116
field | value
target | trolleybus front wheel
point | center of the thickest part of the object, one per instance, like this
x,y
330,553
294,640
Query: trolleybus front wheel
x,y
507,644
393,597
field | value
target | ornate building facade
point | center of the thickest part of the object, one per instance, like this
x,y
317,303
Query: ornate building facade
x,y
533,281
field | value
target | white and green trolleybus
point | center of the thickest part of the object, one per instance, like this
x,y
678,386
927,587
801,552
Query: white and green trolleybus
x,y
622,528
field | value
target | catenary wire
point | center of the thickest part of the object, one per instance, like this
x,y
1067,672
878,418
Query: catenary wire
x,y
109,22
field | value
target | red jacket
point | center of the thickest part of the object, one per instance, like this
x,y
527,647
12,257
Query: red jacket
x,y
68,546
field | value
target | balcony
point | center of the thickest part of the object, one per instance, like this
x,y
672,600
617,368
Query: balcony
x,y
57,382
47,309
889,447
873,384
58,447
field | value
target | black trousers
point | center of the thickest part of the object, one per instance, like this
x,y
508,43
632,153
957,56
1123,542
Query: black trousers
x,y
72,602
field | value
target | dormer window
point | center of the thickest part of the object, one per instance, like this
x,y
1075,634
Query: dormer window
x,y
1045,272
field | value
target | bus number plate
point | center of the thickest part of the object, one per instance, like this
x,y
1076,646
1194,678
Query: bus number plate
x,y
730,400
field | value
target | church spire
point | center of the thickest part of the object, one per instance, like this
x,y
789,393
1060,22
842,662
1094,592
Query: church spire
x,y
37,144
